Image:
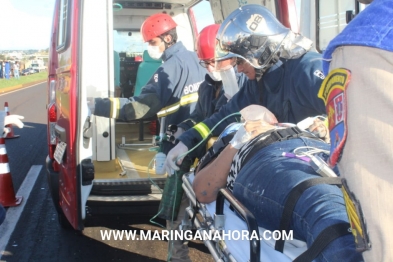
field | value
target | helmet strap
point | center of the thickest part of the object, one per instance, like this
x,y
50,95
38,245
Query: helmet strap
x,y
165,43
259,73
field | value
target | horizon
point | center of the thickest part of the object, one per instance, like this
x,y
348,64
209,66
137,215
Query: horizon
x,y
21,50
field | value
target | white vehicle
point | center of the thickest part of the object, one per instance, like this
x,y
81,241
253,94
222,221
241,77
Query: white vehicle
x,y
38,65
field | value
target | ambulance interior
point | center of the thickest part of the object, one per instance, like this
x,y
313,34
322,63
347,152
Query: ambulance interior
x,y
122,151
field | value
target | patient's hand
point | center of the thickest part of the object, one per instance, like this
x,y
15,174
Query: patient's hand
x,y
257,127
320,129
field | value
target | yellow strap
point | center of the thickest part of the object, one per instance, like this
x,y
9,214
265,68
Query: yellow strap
x,y
352,214
168,110
202,129
184,100
115,107
188,99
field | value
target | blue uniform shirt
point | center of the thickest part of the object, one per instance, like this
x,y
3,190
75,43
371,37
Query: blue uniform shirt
x,y
373,27
289,89
209,102
172,92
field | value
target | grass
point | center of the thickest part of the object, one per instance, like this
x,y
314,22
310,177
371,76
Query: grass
x,y
23,80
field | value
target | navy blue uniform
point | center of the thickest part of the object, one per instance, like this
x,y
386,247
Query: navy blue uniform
x,y
289,89
210,99
2,214
171,92
209,102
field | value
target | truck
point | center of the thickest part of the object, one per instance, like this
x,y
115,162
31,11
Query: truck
x,y
38,65
99,166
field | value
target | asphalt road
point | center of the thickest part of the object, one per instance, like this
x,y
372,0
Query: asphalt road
x,y
37,235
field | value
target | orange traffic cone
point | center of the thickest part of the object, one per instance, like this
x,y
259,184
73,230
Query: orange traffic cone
x,y
10,127
7,193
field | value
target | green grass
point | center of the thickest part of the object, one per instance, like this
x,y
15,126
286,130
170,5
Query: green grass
x,y
23,80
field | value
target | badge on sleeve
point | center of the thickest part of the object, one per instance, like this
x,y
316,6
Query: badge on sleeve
x,y
333,93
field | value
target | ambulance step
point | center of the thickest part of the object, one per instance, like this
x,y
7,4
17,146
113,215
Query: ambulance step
x,y
149,197
125,187
123,205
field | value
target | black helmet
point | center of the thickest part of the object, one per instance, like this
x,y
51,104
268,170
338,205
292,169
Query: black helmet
x,y
253,33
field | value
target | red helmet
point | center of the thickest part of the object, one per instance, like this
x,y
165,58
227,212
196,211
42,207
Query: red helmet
x,y
156,25
206,42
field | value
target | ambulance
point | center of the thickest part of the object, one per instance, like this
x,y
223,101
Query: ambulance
x,y
99,166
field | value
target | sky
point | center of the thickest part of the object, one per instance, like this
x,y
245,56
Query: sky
x,y
26,24
203,14
30,22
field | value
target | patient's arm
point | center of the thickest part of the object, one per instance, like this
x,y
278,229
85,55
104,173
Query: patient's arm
x,y
213,177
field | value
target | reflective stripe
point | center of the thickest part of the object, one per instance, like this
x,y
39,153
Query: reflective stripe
x,y
115,107
184,100
352,214
202,129
188,99
168,110
4,168
3,151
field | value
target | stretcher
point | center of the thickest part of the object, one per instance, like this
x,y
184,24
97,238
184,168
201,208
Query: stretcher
x,y
219,216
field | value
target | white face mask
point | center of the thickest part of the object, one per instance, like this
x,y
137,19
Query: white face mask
x,y
216,76
154,52
229,82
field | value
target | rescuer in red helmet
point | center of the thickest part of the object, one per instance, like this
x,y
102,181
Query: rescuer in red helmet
x,y
211,91
172,92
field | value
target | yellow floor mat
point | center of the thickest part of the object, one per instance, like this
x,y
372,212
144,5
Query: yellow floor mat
x,y
107,170
135,159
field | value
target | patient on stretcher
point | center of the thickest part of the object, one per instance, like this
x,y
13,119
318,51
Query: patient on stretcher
x,y
261,165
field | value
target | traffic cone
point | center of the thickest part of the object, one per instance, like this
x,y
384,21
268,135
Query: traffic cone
x,y
7,193
10,127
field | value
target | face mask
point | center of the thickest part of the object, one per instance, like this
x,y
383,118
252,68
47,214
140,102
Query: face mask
x,y
216,76
229,82
154,52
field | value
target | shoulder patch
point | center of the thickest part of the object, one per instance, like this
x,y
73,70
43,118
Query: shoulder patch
x,y
333,93
155,78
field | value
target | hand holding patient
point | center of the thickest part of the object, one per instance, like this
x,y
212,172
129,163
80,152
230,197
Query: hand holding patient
x,y
258,119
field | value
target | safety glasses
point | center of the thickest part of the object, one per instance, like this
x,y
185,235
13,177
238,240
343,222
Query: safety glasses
x,y
207,63
225,64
